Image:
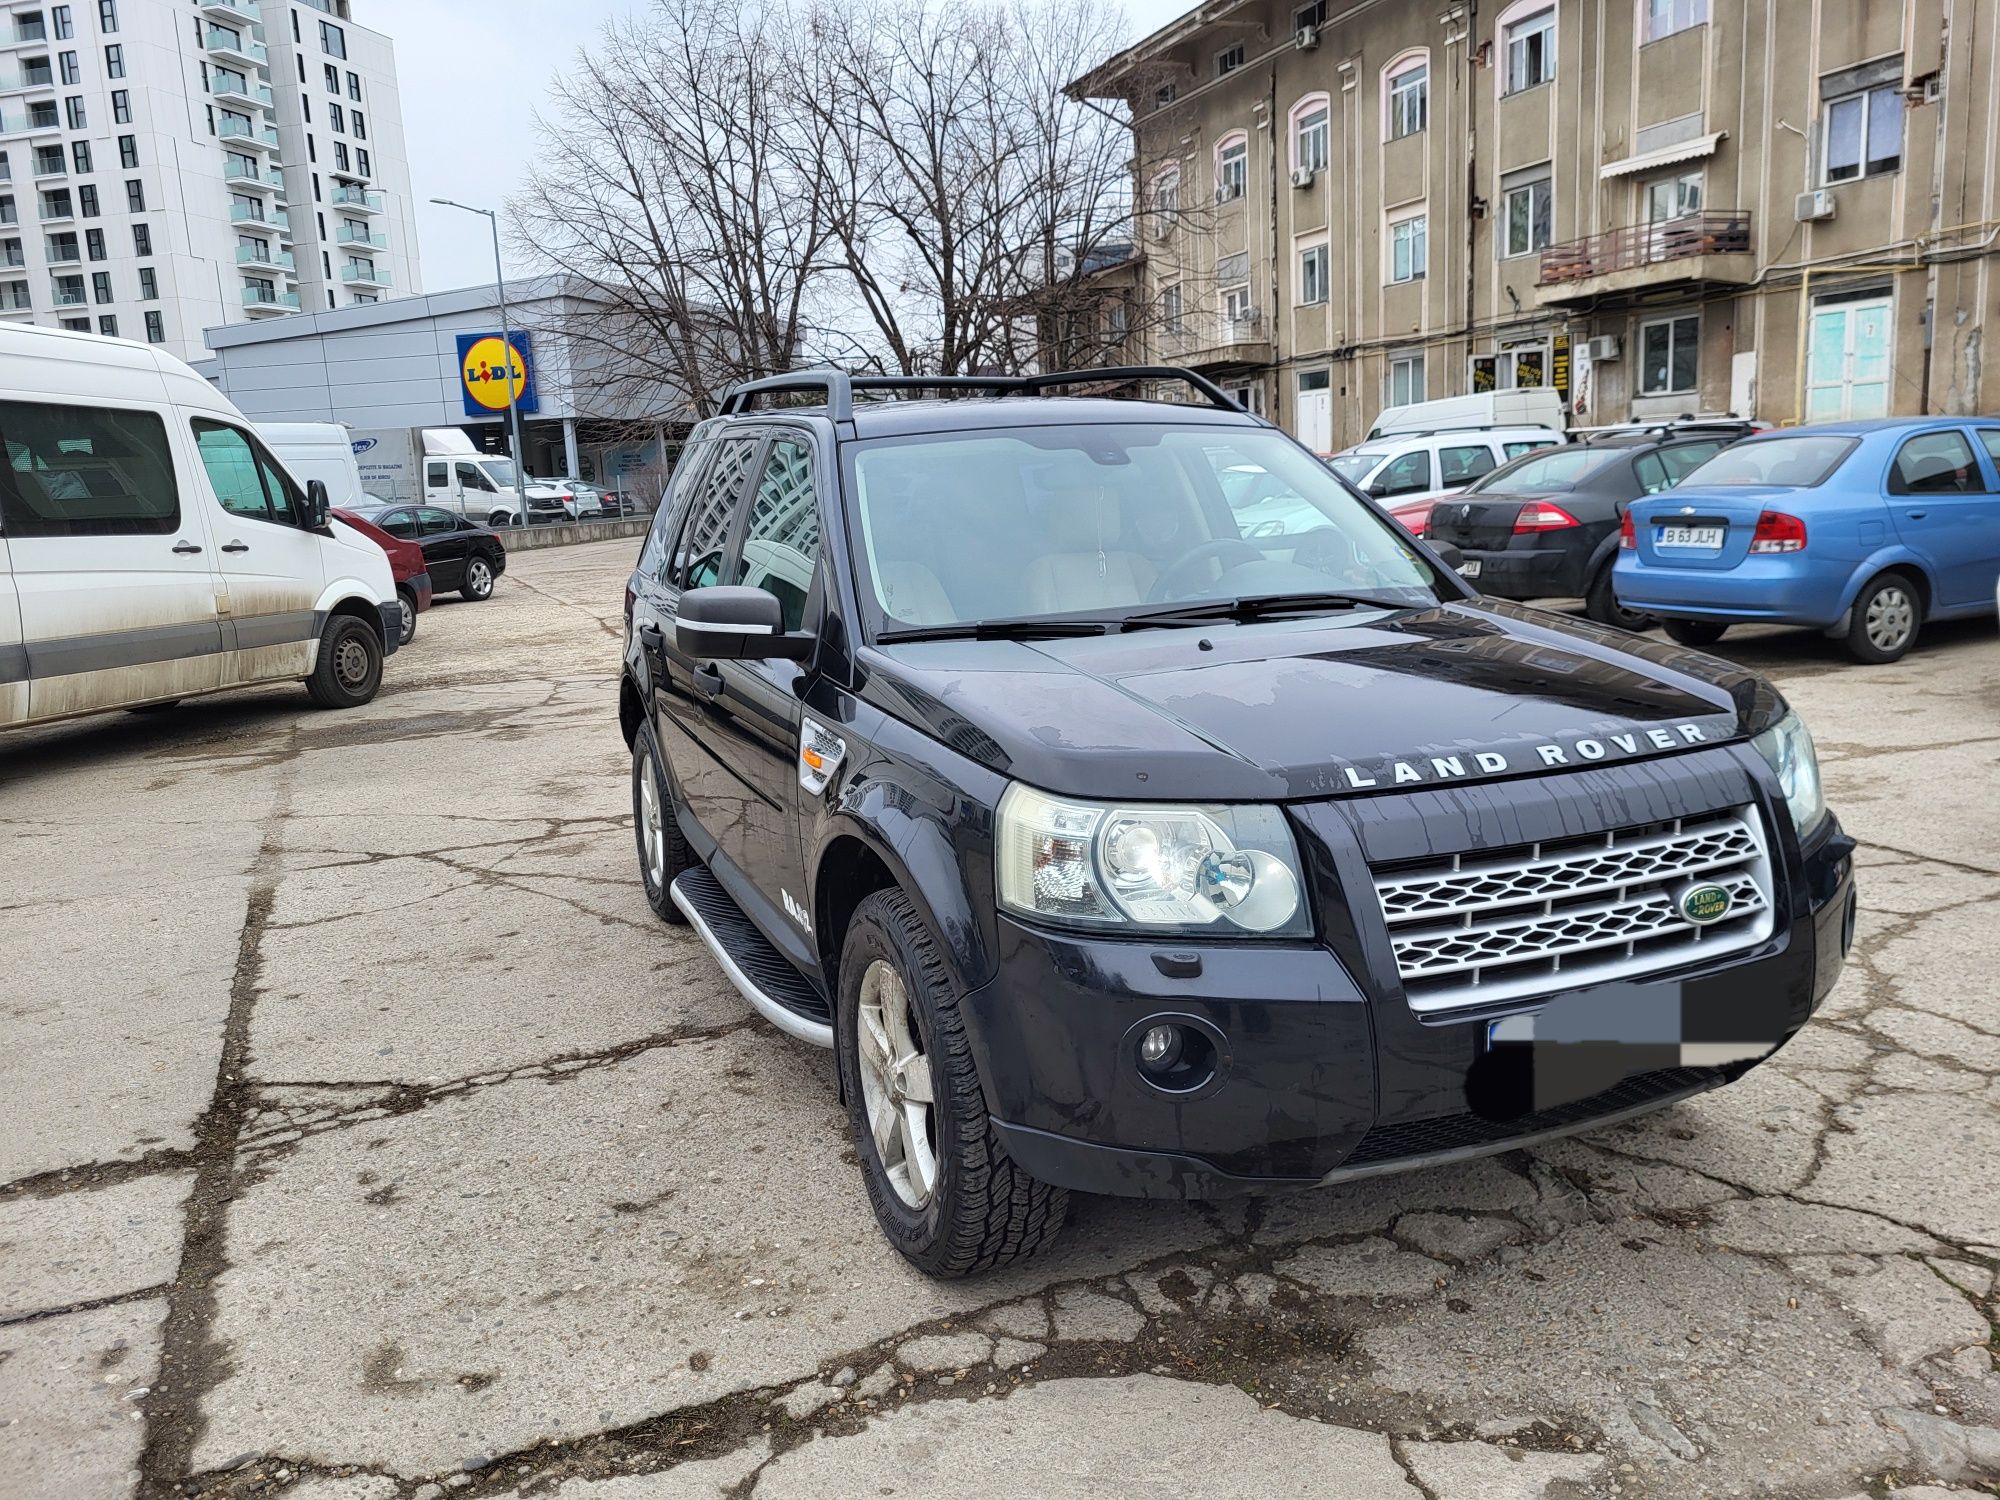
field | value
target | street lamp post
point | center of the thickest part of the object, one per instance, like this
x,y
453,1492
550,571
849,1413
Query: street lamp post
x,y
507,344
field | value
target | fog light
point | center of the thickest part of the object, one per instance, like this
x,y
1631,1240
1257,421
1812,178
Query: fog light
x,y
1160,1048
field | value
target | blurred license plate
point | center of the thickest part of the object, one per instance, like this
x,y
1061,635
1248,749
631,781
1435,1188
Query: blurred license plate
x,y
1470,569
1691,536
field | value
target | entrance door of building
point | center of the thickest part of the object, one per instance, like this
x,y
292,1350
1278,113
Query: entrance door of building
x,y
1313,425
1847,362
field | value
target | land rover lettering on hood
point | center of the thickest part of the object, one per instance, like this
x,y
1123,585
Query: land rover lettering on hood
x,y
1127,828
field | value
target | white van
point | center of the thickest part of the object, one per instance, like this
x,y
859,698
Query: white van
x,y
322,451
480,486
1424,466
1536,406
151,548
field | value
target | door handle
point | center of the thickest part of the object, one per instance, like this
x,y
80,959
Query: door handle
x,y
1918,515
186,548
708,680
234,546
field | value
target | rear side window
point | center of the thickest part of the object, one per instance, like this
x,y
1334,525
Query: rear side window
x,y
437,475
1936,463
437,522
85,471
245,479
1990,436
1465,463
399,523
1667,467
706,536
1516,449
781,546
653,555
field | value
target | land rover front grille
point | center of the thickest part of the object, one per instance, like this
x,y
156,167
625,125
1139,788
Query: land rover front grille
x,y
1476,929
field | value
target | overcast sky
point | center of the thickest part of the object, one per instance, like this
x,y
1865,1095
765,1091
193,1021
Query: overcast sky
x,y
473,72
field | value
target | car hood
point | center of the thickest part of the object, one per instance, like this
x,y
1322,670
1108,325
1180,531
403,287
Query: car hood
x,y
1314,708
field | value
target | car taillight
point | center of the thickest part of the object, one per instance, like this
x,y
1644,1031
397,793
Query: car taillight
x,y
1628,535
1778,532
1539,515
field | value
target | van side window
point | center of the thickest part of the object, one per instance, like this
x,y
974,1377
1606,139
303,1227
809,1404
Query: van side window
x,y
436,475
85,471
470,476
1462,465
246,480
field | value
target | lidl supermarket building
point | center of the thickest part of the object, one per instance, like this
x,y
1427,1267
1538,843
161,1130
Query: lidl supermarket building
x,y
417,362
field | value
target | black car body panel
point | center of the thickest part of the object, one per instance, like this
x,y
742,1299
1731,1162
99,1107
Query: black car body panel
x,y
449,541
1471,726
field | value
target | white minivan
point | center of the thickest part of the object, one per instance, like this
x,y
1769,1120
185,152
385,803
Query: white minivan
x,y
151,548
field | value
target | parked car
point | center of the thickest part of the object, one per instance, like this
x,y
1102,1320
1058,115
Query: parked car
x,y
1113,849
587,501
1864,530
154,549
462,554
406,561
1546,525
1412,470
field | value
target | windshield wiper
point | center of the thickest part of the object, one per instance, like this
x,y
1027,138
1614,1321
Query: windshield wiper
x,y
1257,607
995,630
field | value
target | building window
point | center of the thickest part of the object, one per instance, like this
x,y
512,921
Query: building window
x,y
354,87
332,80
341,163
1170,307
107,15
69,70
1408,251
1529,46
73,107
128,151
1864,134
48,161
100,286
1237,308
114,61
149,284
65,27
135,196
142,239
93,244
306,108
1311,147
75,325
1669,356
86,200
79,152
332,40
1529,217
156,328
1315,277
361,161
121,107
1228,60
1409,89
1406,379
336,117
1309,17
360,125
1166,201
1232,168
1665,17
108,325
1676,197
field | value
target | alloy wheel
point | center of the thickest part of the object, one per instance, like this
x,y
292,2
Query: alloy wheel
x,y
651,822
409,625
480,576
896,1091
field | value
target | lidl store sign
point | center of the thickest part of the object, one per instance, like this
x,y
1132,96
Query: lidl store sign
x,y
485,365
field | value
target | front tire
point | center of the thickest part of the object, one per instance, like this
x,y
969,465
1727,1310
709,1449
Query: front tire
x,y
1600,603
478,584
945,1192
1699,634
407,630
349,669
1885,619
664,854
499,520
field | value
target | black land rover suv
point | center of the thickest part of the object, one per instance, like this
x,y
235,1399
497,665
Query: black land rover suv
x,y
1118,839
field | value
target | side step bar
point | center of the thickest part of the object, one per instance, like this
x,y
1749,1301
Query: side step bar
x,y
761,974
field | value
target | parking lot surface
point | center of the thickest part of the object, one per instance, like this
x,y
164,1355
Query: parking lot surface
x,y
365,1136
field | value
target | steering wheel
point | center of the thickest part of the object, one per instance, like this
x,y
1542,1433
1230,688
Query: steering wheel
x,y
1168,584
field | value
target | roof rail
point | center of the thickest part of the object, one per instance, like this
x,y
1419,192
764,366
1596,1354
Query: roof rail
x,y
838,387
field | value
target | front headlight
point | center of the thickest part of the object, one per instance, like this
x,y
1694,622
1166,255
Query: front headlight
x,y
1788,748
1226,871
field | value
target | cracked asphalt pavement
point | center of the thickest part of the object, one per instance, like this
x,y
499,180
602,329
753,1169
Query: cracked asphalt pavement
x,y
364,1136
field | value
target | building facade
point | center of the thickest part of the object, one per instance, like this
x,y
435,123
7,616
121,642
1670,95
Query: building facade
x,y
168,167
1783,208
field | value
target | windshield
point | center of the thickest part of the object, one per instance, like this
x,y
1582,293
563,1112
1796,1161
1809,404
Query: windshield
x,y
1802,461
1104,520
1545,471
1354,467
500,471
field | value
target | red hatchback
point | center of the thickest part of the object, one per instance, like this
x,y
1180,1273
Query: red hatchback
x,y
406,561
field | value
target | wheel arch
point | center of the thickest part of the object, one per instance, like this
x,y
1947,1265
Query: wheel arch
x,y
1889,560
631,709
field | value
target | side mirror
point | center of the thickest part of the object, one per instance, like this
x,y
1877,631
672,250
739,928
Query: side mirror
x,y
724,623
317,504
1449,555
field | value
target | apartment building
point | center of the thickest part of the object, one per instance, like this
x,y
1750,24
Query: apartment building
x,y
169,166
1782,208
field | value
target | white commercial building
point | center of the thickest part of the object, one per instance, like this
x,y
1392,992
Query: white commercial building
x,y
169,166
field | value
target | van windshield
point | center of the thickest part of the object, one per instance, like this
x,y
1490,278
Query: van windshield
x,y
500,471
1104,520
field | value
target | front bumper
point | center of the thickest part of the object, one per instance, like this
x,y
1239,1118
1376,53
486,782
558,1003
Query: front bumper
x,y
1322,1078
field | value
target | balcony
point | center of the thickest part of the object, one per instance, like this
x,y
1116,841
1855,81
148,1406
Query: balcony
x,y
261,137
58,213
233,47
15,304
245,213
27,29
20,77
54,166
232,12
364,276
361,239
1707,248
62,255
71,297
356,200
252,178
244,93
1220,343
261,301
250,258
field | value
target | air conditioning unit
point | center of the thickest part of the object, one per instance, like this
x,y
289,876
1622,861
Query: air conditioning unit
x,y
1816,205
1307,39
1604,347
1302,177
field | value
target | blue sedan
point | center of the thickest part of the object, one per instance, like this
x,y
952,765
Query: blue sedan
x,y
1861,529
